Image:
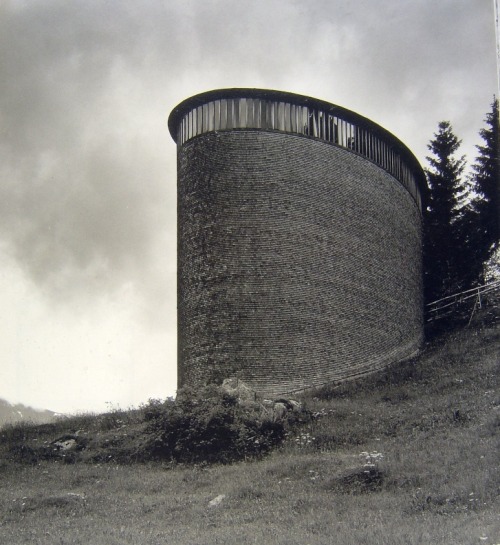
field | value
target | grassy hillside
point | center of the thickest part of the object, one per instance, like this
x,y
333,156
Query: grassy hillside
x,y
410,456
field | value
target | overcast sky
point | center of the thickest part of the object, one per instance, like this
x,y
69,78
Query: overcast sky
x,y
87,165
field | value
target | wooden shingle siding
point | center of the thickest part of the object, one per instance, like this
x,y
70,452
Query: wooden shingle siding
x,y
299,262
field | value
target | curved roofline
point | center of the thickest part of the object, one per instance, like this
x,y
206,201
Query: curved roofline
x,y
187,105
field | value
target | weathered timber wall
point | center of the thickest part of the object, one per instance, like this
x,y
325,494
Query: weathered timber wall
x,y
299,263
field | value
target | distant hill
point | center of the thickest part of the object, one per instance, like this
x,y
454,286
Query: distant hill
x,y
21,413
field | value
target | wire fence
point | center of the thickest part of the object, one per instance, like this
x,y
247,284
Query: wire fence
x,y
466,303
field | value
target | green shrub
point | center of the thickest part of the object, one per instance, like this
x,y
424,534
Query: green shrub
x,y
209,425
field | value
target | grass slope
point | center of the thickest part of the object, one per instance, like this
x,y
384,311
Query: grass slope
x,y
410,455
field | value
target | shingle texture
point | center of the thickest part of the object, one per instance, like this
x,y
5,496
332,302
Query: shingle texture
x,y
299,262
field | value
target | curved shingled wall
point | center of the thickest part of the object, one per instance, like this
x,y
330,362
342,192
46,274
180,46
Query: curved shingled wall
x,y
299,262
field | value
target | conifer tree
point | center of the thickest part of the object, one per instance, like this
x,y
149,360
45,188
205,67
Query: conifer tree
x,y
484,214
443,243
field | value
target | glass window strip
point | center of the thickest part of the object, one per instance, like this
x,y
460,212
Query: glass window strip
x,y
227,114
217,115
236,113
267,115
256,113
223,114
230,114
211,116
282,116
250,117
243,113
199,126
286,113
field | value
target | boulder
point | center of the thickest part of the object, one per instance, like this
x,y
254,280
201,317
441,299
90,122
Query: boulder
x,y
238,389
71,441
68,444
279,411
281,407
216,501
290,404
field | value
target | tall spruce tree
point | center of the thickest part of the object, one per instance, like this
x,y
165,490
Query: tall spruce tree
x,y
443,243
483,216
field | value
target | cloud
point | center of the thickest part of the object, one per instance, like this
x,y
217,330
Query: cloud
x,y
88,192
86,197
406,66
88,181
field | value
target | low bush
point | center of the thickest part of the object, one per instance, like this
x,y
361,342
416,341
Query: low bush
x,y
208,425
